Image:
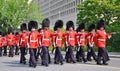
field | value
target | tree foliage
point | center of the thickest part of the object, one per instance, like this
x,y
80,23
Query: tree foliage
x,y
90,11
15,12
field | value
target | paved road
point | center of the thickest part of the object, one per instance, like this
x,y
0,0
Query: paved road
x,y
12,64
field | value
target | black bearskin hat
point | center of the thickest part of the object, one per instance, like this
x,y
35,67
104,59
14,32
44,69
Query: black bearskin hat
x,y
100,24
39,29
59,24
81,26
77,29
32,24
54,28
23,27
45,23
16,33
69,24
10,30
91,27
0,33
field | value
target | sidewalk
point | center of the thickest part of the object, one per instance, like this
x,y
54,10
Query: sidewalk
x,y
114,54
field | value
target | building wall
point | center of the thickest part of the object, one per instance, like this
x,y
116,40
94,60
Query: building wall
x,y
59,9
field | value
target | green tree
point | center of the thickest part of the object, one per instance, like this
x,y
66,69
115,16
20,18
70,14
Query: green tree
x,y
90,11
15,12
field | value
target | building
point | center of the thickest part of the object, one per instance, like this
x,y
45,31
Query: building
x,y
59,9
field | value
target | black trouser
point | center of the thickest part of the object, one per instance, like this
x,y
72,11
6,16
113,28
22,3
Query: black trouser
x,y
5,50
69,55
38,53
80,55
102,55
22,57
32,59
58,56
45,55
17,50
91,53
11,51
0,51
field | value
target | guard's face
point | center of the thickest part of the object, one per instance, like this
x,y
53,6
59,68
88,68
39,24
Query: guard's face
x,y
82,30
93,31
46,28
33,29
59,29
101,28
24,30
71,29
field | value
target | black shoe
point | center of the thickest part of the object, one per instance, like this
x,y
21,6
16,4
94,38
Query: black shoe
x,y
61,63
85,61
46,65
105,63
74,62
16,53
34,66
4,54
24,62
89,59
56,63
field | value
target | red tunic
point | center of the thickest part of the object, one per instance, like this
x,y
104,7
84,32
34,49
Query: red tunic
x,y
10,39
34,38
90,39
57,39
81,38
70,38
1,42
23,39
101,38
45,37
5,41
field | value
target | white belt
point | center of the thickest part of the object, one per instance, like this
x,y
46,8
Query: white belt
x,y
71,38
59,39
10,40
46,39
26,37
88,37
33,40
101,39
82,39
22,40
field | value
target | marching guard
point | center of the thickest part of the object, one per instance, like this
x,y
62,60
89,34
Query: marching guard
x,y
11,41
101,37
57,42
46,34
80,55
23,41
33,42
70,42
91,43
